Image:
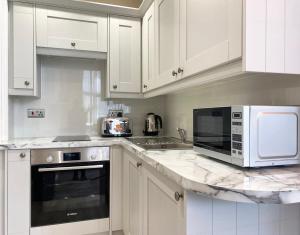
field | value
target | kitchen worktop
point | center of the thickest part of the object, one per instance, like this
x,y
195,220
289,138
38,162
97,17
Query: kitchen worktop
x,y
279,185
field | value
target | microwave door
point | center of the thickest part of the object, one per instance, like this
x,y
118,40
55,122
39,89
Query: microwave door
x,y
212,129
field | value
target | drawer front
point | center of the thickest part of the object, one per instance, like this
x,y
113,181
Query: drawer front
x,y
18,155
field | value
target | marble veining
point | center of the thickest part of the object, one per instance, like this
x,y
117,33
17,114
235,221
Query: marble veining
x,y
209,177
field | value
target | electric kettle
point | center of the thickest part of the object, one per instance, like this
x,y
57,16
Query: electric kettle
x,y
153,124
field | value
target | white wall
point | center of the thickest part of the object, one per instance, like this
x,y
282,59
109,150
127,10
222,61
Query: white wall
x,y
73,98
2,186
259,91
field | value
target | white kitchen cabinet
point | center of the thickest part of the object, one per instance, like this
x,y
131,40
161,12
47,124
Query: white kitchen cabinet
x,y
210,34
132,199
116,188
148,49
125,55
63,29
167,40
163,206
22,53
18,192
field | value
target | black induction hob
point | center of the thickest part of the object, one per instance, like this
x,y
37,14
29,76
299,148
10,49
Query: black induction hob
x,y
71,138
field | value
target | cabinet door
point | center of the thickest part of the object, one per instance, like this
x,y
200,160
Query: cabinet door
x,y
23,46
211,33
132,217
18,192
125,55
68,30
116,163
163,213
148,42
167,38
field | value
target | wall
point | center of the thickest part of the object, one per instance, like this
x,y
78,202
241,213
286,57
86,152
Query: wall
x,y
2,186
260,91
73,98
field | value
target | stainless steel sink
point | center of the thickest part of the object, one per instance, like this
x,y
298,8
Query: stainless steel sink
x,y
160,143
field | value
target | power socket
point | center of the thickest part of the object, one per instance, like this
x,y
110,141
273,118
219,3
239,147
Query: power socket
x,y
36,113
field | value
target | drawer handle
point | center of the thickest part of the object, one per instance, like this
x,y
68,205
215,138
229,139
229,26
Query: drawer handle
x,y
145,86
180,70
115,86
27,83
73,44
22,155
178,196
139,164
174,73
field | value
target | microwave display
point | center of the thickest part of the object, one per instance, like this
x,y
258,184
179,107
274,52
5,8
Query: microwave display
x,y
212,129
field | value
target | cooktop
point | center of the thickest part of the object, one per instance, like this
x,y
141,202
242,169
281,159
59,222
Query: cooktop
x,y
71,138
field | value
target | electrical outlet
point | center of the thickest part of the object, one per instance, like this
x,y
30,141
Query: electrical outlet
x,y
36,113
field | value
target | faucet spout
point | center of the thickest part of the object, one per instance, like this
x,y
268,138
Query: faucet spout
x,y
182,134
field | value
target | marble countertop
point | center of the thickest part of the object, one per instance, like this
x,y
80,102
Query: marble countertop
x,y
278,185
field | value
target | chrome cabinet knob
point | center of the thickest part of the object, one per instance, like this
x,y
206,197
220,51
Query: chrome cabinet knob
x,y
180,70
22,155
73,44
178,196
174,73
139,164
27,83
115,86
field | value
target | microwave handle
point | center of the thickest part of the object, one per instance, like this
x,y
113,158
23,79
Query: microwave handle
x,y
50,169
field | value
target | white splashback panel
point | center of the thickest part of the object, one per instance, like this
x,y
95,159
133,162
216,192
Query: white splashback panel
x,y
73,98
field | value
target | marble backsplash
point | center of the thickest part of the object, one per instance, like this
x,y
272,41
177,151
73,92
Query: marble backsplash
x,y
73,98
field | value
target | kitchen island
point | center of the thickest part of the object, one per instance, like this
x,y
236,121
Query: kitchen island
x,y
202,195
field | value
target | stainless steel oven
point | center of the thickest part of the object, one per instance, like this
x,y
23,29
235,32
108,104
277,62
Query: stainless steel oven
x,y
69,185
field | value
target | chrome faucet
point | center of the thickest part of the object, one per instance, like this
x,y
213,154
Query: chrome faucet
x,y
182,134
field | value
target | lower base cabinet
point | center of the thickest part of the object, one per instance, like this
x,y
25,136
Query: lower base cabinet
x,y
152,204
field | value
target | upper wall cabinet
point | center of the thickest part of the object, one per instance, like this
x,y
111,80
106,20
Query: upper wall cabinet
x,y
71,30
124,55
211,34
167,40
22,54
148,49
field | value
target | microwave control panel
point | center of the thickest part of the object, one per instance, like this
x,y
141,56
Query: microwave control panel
x,y
237,134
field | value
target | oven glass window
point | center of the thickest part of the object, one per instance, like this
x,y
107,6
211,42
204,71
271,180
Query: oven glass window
x,y
65,195
212,129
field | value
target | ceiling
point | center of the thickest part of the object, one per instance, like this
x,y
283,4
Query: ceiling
x,y
125,3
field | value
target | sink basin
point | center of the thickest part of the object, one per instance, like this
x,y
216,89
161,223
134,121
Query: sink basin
x,y
160,143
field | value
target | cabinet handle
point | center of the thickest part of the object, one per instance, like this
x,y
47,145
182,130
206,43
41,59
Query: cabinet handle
x,y
22,155
145,86
178,196
27,83
139,164
180,70
174,73
115,86
73,44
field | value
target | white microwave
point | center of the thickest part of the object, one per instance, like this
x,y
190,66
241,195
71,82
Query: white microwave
x,y
248,136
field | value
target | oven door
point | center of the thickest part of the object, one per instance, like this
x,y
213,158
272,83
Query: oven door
x,y
62,193
212,129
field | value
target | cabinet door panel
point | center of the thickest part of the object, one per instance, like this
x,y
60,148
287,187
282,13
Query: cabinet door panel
x,y
18,192
207,28
66,30
163,215
148,38
167,37
23,46
125,55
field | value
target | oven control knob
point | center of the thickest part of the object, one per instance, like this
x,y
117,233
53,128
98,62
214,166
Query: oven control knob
x,y
93,157
49,159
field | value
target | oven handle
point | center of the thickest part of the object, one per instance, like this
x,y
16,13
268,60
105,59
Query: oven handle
x,y
69,168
